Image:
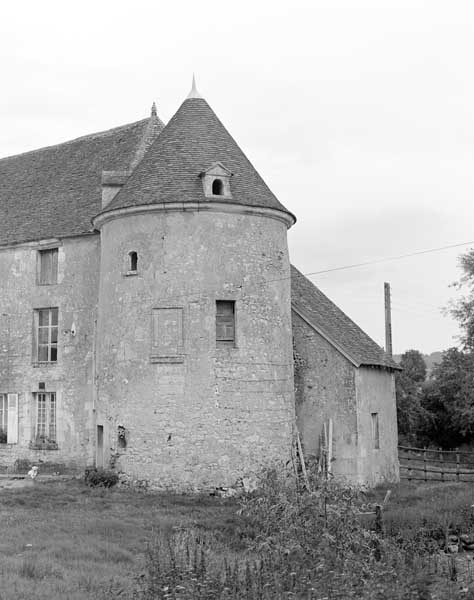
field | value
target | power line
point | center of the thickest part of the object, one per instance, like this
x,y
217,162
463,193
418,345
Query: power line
x,y
380,260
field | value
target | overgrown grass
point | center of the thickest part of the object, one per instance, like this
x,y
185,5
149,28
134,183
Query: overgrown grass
x,y
418,516
67,541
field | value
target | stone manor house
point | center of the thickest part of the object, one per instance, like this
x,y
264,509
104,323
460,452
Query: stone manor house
x,y
150,318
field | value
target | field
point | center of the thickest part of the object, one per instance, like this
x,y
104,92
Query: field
x,y
67,541
63,540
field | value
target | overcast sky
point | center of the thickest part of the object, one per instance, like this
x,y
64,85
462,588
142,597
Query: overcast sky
x,y
358,114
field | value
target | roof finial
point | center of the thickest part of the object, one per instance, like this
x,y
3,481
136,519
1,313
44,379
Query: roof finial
x,y
153,110
194,93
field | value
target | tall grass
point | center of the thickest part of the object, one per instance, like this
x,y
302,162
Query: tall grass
x,y
296,544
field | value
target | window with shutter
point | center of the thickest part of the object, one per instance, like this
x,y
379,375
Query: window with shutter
x,y
48,266
3,418
8,418
225,321
12,427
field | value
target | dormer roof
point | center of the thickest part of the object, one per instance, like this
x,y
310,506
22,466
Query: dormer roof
x,y
192,142
218,169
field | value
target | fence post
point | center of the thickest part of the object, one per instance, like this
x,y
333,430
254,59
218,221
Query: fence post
x,y
442,465
458,460
424,463
379,526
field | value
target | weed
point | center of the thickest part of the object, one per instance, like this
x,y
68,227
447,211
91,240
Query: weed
x,y
101,478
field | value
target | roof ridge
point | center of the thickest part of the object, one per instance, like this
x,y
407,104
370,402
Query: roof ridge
x,y
90,136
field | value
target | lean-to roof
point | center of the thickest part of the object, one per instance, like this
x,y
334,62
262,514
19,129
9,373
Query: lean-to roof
x,y
334,325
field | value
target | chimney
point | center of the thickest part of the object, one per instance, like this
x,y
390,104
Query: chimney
x,y
112,182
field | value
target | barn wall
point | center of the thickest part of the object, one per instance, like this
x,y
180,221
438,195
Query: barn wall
x,y
71,377
325,388
376,395
328,385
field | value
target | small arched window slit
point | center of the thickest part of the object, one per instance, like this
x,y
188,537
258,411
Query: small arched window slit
x,y
217,187
133,261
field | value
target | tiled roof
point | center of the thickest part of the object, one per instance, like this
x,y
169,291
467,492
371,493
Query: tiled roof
x,y
55,191
191,142
334,325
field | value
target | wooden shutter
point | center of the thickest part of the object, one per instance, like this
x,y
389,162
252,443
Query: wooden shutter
x,y
12,436
225,320
54,266
48,266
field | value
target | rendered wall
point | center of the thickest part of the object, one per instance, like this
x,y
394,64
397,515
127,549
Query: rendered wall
x,y
215,412
376,394
325,389
71,377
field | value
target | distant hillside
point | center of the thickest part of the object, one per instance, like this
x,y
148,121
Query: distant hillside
x,y
430,359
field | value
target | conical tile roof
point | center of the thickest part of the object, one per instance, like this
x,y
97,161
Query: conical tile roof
x,y
192,141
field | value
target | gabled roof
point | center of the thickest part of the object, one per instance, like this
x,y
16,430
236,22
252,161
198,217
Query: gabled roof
x,y
55,191
193,140
334,325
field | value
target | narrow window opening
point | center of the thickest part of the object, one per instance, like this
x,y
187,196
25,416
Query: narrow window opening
x,y
225,321
133,261
217,187
100,446
375,431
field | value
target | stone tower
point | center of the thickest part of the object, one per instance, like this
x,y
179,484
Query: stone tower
x,y
194,340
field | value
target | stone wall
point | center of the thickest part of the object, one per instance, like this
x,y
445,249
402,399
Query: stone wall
x,y
196,413
328,386
71,376
325,389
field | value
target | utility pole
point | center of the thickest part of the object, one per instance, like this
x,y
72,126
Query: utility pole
x,y
388,319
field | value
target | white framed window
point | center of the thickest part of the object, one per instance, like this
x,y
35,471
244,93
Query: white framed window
x,y
45,429
8,418
46,335
47,266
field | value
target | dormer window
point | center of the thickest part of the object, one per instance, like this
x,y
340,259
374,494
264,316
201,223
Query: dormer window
x,y
217,187
216,181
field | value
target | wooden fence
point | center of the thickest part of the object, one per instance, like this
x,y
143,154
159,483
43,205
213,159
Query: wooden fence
x,y
427,464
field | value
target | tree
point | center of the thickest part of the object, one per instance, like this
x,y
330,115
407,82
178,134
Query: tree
x,y
449,398
411,416
414,366
463,308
